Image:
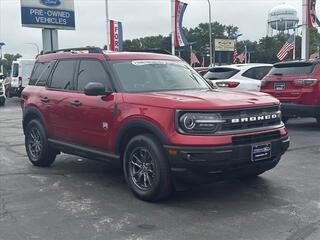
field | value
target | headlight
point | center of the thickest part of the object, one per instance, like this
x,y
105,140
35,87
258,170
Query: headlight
x,y
198,123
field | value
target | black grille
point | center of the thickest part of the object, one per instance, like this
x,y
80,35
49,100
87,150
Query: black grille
x,y
248,113
263,137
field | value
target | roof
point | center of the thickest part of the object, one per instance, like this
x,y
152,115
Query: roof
x,y
244,66
111,56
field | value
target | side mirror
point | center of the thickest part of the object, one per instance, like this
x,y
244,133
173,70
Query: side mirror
x,y
96,89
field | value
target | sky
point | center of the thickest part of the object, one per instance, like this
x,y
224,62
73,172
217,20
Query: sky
x,y
140,18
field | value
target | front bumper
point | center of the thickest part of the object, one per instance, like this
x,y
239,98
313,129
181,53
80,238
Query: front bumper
x,y
300,110
225,159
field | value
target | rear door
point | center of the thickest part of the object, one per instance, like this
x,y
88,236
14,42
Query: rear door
x,y
58,97
295,82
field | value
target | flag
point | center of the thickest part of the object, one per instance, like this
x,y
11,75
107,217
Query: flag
x,y
194,59
287,47
116,36
313,20
235,55
180,39
241,57
314,55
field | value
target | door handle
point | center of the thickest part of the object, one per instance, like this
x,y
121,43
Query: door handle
x,y
45,99
76,103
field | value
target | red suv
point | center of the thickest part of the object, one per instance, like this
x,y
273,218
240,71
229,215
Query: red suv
x,y
296,84
152,114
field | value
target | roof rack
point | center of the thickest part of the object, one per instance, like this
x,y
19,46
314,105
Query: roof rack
x,y
152,50
89,49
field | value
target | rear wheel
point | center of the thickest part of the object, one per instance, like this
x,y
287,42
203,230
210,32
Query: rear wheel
x,y
36,142
146,169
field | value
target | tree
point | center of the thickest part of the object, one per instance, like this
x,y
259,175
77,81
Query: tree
x,y
7,62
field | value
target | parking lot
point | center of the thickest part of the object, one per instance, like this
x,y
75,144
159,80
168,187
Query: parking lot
x,y
84,199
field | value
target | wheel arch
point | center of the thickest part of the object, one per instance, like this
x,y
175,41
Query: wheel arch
x,y
30,114
135,127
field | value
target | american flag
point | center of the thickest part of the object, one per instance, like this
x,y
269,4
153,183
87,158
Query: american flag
x,y
287,47
241,57
194,59
235,56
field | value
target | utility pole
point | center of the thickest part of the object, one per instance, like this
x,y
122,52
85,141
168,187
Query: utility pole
x,y
108,25
305,31
173,26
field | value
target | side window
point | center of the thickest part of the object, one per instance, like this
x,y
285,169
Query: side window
x,y
256,72
15,70
62,77
91,71
42,80
36,72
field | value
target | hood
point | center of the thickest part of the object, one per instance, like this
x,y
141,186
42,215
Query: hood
x,y
201,99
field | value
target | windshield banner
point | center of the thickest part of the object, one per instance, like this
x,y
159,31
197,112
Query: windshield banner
x,y
116,36
180,39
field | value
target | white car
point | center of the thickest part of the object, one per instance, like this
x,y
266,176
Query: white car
x,y
239,76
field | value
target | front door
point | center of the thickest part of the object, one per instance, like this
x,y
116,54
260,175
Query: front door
x,y
94,114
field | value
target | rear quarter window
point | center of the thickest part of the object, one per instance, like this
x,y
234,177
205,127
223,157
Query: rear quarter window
x,y
291,69
37,71
220,73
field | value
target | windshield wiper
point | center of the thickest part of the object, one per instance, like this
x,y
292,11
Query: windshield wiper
x,y
277,74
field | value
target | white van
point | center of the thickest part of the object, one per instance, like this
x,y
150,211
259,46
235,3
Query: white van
x,y
20,74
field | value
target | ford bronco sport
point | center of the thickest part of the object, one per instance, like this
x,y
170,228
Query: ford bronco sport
x,y
151,113
296,84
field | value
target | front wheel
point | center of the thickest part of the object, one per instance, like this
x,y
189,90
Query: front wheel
x,y
146,169
2,102
38,149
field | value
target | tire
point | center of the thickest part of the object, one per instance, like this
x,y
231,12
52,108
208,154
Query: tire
x,y
36,142
8,94
284,119
2,102
146,169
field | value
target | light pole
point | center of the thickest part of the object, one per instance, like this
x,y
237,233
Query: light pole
x,y
212,62
36,45
108,26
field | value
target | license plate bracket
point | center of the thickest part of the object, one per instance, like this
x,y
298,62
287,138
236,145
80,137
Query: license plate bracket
x,y
261,152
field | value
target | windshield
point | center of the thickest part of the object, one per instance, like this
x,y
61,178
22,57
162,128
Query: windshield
x,y
157,75
220,73
290,69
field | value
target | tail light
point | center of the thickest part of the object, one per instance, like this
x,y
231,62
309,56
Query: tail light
x,y
305,82
227,84
20,81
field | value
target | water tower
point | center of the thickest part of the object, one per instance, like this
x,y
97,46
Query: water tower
x,y
282,18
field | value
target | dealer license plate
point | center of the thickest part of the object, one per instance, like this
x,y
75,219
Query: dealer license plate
x,y
261,152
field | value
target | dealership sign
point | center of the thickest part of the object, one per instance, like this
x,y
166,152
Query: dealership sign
x,y
224,45
56,14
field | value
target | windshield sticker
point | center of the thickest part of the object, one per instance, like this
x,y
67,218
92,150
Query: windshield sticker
x,y
148,62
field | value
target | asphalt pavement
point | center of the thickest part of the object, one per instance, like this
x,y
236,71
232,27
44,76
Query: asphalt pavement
x,y
79,198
